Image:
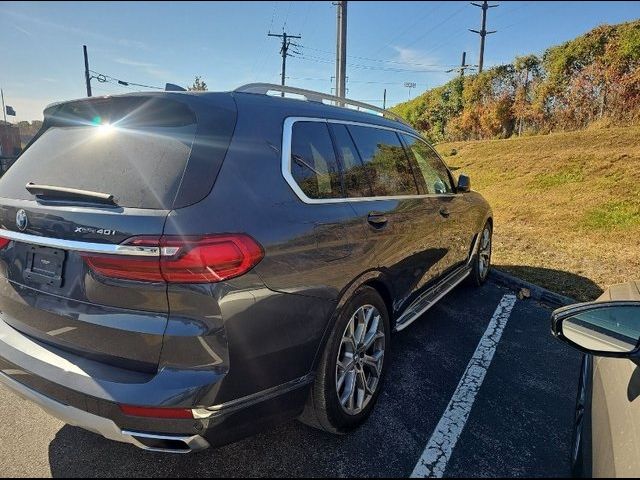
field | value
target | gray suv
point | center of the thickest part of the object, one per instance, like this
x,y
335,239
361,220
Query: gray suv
x,y
179,270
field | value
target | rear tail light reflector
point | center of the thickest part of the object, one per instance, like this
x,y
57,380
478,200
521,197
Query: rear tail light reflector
x,y
156,412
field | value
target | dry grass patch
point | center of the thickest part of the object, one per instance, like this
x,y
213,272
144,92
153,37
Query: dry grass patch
x,y
566,205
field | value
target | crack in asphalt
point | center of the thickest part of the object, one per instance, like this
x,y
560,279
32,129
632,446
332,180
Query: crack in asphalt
x,y
437,453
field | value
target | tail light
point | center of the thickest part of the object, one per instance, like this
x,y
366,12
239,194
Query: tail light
x,y
204,259
4,242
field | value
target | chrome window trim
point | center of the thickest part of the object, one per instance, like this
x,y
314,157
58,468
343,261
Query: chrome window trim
x,y
89,247
287,134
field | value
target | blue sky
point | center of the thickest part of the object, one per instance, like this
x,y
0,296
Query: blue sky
x,y
152,43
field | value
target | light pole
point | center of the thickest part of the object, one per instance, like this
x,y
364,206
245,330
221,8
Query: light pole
x,y
410,85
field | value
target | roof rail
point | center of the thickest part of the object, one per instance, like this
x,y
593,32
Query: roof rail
x,y
312,96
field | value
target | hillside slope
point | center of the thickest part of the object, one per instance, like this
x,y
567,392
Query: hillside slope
x,y
566,205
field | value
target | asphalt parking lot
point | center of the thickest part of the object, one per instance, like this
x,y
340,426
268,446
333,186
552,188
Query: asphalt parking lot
x,y
518,412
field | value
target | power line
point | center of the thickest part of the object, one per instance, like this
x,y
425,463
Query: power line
x,y
397,62
262,58
435,27
371,82
373,67
406,29
104,78
286,17
379,60
273,15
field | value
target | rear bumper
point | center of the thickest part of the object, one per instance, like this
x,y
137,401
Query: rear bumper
x,y
104,426
87,394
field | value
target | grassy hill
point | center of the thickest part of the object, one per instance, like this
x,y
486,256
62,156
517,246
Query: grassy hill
x,y
566,205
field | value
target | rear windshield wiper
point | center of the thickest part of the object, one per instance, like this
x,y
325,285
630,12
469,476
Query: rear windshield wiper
x,y
50,192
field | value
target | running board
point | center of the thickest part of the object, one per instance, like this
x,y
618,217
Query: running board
x,y
429,298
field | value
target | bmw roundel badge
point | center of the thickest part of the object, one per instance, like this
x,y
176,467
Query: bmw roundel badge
x,y
21,220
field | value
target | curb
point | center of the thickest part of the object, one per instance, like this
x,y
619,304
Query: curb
x,y
537,292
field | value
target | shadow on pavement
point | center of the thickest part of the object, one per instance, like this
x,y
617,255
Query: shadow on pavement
x,y
75,452
565,283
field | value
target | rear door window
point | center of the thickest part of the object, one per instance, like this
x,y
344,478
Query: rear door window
x,y
434,171
385,160
313,161
356,183
135,148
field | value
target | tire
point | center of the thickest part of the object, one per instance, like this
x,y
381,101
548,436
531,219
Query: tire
x,y
324,409
481,263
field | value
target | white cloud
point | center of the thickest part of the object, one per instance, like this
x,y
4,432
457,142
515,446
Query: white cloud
x,y
146,67
415,59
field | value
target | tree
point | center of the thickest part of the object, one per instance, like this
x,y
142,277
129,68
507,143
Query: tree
x,y
198,85
524,66
592,78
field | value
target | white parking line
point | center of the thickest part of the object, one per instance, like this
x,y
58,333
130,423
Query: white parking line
x,y
437,453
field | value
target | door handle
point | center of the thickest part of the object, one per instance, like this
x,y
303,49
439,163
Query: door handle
x,y
377,219
444,211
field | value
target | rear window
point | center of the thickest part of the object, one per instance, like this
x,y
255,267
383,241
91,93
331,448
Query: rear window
x,y
356,182
313,161
135,148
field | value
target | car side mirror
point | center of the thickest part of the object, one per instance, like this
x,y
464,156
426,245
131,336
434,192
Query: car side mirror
x,y
607,329
464,183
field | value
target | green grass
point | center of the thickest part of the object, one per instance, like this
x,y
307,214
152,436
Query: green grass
x,y
613,215
564,175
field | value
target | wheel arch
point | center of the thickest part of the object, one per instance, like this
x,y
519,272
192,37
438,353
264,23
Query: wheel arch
x,y
375,279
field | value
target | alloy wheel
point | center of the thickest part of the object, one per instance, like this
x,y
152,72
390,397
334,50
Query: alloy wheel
x,y
360,358
485,252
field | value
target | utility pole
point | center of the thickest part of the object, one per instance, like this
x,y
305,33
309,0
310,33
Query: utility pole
x,y
483,32
341,48
384,99
335,89
463,63
87,76
284,51
463,66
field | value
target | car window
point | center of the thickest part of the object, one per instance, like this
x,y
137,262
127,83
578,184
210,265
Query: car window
x,y
136,149
434,171
385,161
313,161
356,183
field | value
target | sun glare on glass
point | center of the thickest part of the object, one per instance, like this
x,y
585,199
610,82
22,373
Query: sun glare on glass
x,y
105,128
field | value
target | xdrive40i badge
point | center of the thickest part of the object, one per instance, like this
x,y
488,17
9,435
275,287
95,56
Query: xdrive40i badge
x,y
96,231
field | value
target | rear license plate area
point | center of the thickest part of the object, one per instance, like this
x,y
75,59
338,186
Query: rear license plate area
x,y
44,265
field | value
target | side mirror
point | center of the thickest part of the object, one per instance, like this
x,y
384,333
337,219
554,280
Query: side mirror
x,y
608,329
464,183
